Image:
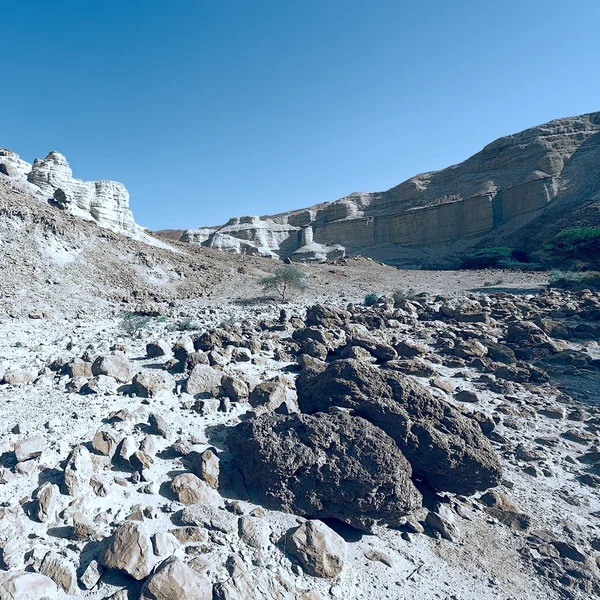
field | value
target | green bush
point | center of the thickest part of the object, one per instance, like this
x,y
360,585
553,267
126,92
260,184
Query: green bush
x,y
499,257
580,243
284,280
489,258
371,299
132,323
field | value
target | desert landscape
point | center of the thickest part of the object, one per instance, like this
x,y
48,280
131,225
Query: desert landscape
x,y
173,429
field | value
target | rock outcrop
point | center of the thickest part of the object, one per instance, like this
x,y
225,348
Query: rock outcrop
x,y
432,218
51,179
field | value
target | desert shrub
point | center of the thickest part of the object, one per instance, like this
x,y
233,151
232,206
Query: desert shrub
x,y
573,280
488,258
500,257
18,344
580,243
371,299
284,280
187,324
161,319
131,322
400,296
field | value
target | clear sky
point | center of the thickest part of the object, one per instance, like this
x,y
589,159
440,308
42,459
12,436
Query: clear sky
x,y
207,109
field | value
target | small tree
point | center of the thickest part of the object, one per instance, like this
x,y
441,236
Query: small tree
x,y
284,280
371,299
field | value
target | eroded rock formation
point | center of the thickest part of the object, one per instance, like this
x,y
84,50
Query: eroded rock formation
x,y
434,217
51,179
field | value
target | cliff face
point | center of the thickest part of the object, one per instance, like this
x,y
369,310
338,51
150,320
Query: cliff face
x,y
434,217
51,180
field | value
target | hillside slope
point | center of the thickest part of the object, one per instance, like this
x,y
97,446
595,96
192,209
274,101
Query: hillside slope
x,y
529,182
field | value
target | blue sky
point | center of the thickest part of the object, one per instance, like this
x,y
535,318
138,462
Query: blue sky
x,y
208,109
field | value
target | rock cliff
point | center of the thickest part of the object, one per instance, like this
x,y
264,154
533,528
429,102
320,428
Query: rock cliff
x,y
51,180
502,193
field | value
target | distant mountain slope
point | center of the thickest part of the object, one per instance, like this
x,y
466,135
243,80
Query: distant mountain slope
x,y
519,188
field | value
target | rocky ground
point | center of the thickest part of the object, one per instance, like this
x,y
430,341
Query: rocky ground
x,y
442,444
166,432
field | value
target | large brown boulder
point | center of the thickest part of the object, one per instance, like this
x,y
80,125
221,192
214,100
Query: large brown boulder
x,y
445,448
324,465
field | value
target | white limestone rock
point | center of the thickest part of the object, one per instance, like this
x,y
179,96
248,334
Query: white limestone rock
x,y
106,202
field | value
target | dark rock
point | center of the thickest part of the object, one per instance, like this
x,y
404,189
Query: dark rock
x,y
324,465
445,448
319,315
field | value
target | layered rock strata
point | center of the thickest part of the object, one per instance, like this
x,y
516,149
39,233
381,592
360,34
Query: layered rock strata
x,y
433,217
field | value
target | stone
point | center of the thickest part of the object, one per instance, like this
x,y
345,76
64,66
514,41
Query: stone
x,y
208,468
160,426
190,489
319,549
140,460
48,502
106,442
190,535
18,377
158,348
148,384
444,447
78,368
78,472
466,396
91,575
319,315
164,544
113,365
17,585
259,584
29,448
61,571
208,517
235,388
129,549
324,465
254,532
203,380
268,394
174,580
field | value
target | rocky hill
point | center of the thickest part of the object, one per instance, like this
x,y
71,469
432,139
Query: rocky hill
x,y
519,185
105,203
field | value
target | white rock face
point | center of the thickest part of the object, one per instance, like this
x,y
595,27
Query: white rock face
x,y
106,202
51,180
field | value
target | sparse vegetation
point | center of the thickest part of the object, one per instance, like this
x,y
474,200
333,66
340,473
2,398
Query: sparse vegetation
x,y
573,280
186,324
403,296
284,280
161,319
500,257
577,244
132,323
371,299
